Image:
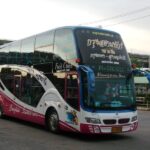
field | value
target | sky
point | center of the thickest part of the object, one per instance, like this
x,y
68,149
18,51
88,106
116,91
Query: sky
x,y
130,18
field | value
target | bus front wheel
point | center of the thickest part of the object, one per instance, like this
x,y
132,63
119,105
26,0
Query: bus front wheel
x,y
53,121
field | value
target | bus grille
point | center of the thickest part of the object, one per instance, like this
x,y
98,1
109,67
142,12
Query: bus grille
x,y
109,121
124,120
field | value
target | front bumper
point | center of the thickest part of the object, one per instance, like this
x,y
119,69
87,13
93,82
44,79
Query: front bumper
x,y
99,129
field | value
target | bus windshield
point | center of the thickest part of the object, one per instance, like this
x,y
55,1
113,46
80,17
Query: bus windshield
x,y
105,53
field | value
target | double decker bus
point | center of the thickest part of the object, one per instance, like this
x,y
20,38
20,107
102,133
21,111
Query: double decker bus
x,y
70,78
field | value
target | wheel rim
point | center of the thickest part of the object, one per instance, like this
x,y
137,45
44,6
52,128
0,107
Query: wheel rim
x,y
53,122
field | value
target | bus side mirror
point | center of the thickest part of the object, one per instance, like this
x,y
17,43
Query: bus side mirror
x,y
90,77
91,81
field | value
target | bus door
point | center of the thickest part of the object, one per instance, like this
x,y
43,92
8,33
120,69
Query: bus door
x,y
72,90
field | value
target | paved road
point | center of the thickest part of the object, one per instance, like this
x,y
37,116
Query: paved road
x,y
16,135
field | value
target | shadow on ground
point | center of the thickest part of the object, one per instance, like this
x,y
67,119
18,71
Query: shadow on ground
x,y
75,136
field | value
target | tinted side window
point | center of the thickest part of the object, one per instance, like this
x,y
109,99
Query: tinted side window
x,y
28,45
44,47
64,45
27,50
45,40
3,55
32,90
14,53
72,90
7,78
24,86
58,79
17,83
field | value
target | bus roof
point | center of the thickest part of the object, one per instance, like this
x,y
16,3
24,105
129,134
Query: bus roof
x,y
64,27
86,27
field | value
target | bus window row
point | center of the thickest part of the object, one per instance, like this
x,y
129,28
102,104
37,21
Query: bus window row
x,y
27,89
22,85
40,48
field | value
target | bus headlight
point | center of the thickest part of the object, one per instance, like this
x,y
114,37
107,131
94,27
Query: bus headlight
x,y
93,120
134,118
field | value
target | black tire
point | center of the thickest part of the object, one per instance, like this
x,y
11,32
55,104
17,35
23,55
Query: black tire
x,y
1,112
52,121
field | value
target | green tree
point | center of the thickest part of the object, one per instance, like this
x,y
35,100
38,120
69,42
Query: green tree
x,y
4,41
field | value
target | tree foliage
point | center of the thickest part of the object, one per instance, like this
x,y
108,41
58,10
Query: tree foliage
x,y
4,41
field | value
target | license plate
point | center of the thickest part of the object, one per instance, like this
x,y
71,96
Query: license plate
x,y
116,129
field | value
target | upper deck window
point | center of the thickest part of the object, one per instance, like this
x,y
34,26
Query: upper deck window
x,y
44,42
27,50
4,55
64,45
28,45
44,48
14,53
